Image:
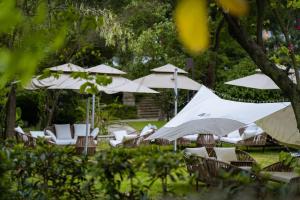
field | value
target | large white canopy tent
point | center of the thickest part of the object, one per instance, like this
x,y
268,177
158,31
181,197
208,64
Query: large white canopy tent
x,y
208,113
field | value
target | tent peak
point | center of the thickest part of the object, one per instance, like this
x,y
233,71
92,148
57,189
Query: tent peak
x,y
169,68
105,69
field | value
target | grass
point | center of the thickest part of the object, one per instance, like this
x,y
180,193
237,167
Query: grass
x,y
139,125
181,188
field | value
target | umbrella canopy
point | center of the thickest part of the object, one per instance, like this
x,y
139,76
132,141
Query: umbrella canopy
x,y
282,126
105,69
256,81
163,78
66,82
208,113
68,67
260,80
168,68
166,80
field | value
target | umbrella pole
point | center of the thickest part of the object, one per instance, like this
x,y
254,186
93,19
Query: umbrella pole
x,y
93,111
87,125
175,102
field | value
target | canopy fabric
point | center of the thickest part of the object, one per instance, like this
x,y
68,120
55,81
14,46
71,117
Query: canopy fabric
x,y
65,81
168,68
68,67
256,81
166,80
282,126
105,69
208,113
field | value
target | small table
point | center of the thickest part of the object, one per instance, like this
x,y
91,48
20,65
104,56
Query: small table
x,y
91,146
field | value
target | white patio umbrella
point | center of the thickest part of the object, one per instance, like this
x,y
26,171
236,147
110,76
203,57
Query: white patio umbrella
x,y
163,78
256,81
260,80
118,84
169,77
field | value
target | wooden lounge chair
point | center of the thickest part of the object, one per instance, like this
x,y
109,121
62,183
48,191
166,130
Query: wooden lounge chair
x,y
27,138
281,172
209,169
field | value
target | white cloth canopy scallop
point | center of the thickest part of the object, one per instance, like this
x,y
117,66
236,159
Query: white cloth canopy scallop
x,y
208,113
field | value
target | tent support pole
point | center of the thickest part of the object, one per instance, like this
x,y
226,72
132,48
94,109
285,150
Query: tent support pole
x,y
175,103
87,125
93,111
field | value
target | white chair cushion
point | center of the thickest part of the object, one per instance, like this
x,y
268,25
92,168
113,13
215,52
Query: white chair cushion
x,y
95,132
114,143
19,130
146,132
201,151
36,134
65,141
119,135
63,131
192,138
52,135
281,176
80,129
225,154
248,134
234,134
230,140
129,137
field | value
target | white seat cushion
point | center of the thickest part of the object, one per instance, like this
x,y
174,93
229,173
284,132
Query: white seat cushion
x,y
36,134
201,151
230,140
65,141
281,176
63,131
147,132
192,138
52,135
19,130
129,137
80,129
119,135
234,134
248,134
225,154
95,132
114,143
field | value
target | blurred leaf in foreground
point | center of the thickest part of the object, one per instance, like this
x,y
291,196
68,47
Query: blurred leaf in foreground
x,y
191,20
234,7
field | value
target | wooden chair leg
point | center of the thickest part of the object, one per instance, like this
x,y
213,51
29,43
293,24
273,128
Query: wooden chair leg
x,y
197,185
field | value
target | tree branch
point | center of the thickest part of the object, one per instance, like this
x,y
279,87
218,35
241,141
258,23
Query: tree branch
x,y
288,43
259,57
259,21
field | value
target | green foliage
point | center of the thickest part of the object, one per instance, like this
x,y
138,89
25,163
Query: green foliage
x,y
44,172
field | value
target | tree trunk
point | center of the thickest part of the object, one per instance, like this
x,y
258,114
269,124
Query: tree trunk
x,y
269,68
11,112
53,108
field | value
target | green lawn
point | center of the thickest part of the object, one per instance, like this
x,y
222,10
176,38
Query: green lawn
x,y
139,125
181,188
